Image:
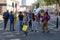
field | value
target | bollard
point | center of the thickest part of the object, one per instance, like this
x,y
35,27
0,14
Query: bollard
x,y
57,23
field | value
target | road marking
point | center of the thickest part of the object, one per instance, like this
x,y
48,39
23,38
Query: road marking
x,y
51,23
51,26
16,39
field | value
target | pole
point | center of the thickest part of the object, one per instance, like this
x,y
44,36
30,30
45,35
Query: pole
x,y
57,17
57,22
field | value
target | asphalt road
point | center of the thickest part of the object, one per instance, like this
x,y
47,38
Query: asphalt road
x,y
16,35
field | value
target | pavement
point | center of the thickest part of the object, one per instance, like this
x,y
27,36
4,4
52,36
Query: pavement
x,y
54,33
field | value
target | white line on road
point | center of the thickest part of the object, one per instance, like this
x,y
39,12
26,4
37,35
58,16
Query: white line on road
x,y
51,23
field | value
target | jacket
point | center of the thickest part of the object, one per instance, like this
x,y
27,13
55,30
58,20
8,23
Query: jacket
x,y
46,17
6,15
11,17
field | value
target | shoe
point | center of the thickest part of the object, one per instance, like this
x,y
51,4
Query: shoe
x,y
48,31
13,29
43,31
36,31
32,30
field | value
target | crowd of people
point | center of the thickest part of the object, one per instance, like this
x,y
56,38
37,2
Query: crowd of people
x,y
29,19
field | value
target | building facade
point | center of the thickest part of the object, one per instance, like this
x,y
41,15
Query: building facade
x,y
5,5
2,6
23,2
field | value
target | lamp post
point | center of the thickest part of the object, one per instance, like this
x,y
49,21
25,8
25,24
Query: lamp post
x,y
57,22
13,5
57,17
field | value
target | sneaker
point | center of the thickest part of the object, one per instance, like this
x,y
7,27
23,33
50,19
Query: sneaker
x,y
36,31
32,30
48,31
43,31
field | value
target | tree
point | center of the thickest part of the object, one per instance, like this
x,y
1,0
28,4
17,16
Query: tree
x,y
50,2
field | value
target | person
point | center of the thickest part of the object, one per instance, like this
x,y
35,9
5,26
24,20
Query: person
x,y
12,21
5,17
25,18
30,19
46,18
36,23
15,17
20,16
25,22
42,13
33,24
39,15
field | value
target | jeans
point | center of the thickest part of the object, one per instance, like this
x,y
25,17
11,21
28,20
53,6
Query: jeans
x,y
34,25
21,25
5,23
12,25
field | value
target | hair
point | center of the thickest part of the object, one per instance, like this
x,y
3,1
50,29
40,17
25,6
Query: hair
x,y
20,12
11,11
47,13
7,10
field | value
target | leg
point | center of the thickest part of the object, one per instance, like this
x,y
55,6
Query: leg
x,y
32,25
46,27
10,25
25,33
21,25
13,25
35,24
43,26
5,23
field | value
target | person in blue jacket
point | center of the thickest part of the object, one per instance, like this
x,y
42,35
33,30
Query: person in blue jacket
x,y
11,21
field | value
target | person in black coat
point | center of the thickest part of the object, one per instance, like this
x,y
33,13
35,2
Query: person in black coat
x,y
5,17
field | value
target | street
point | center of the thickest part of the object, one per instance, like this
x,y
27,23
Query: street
x,y
16,35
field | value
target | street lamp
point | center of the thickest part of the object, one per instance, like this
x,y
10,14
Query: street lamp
x,y
57,16
57,21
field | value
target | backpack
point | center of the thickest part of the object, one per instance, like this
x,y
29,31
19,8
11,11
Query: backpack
x,y
47,17
6,15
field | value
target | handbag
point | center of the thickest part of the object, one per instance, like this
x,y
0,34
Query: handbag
x,y
25,27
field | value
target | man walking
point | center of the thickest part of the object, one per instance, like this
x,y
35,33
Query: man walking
x,y
11,21
5,17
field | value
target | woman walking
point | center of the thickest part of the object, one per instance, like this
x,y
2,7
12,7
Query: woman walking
x,y
46,18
